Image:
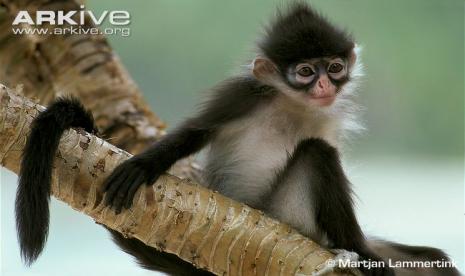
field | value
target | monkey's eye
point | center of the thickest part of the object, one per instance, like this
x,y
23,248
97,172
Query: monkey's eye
x,y
335,68
305,71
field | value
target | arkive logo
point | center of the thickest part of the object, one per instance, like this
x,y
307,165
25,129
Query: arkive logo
x,y
62,17
74,20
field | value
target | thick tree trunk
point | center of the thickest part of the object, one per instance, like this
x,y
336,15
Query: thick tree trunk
x,y
173,215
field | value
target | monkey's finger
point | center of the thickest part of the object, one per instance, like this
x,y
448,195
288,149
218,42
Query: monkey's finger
x,y
132,190
123,187
114,186
111,179
123,190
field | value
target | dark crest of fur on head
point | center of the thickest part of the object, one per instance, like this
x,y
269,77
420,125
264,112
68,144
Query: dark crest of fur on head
x,y
301,33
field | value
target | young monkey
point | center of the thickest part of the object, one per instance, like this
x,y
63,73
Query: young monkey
x,y
273,134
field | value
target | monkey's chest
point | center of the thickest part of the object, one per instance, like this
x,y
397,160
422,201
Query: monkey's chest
x,y
246,156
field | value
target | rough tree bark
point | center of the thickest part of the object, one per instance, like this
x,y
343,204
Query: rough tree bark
x,y
85,66
177,216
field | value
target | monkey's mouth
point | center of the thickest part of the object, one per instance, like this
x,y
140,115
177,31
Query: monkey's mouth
x,y
322,100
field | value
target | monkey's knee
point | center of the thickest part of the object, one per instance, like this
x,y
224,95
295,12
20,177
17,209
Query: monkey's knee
x,y
316,146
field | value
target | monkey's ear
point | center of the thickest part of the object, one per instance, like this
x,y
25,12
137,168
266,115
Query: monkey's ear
x,y
352,58
263,68
353,55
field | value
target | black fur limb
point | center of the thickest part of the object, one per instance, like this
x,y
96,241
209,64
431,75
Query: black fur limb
x,y
232,99
33,194
331,194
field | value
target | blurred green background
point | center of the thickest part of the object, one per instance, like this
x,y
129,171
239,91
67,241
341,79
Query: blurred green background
x,y
407,168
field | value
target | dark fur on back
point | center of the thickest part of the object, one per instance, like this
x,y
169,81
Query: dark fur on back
x,y
33,194
301,33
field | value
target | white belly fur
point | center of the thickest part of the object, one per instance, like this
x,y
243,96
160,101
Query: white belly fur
x,y
246,154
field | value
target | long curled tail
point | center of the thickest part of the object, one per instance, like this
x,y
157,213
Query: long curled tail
x,y
33,194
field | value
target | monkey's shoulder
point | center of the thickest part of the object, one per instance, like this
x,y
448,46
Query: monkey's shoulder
x,y
244,86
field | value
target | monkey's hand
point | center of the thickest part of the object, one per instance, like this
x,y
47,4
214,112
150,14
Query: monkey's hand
x,y
373,265
121,186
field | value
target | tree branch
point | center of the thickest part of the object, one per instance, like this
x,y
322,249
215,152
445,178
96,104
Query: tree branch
x,y
173,215
83,65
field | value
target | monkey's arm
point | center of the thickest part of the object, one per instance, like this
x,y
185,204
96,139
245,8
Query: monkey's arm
x,y
231,100
331,195
146,167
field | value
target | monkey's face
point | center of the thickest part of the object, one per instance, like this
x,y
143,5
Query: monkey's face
x,y
312,82
317,81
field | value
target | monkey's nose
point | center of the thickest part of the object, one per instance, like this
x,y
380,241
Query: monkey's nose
x,y
323,83
323,87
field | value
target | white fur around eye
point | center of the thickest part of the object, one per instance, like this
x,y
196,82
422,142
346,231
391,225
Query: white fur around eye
x,y
304,80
